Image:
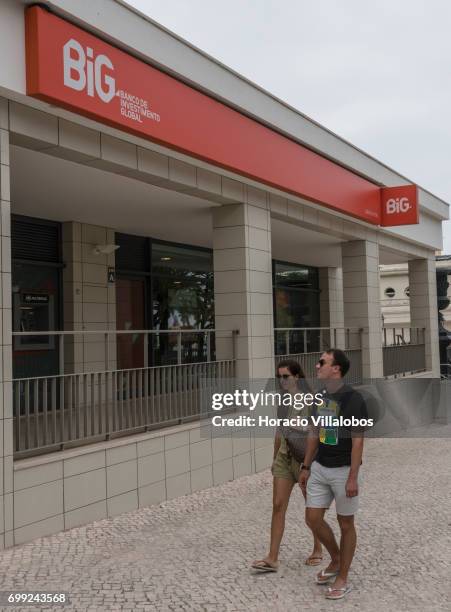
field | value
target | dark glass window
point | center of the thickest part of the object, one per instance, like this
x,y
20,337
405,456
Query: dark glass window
x,y
182,297
163,286
296,304
36,282
132,254
295,276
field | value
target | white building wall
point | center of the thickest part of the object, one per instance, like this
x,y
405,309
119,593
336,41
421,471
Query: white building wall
x,y
243,283
360,260
331,305
89,299
6,404
396,309
74,487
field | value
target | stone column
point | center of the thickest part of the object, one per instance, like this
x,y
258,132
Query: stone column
x,y
89,299
331,306
6,403
243,285
360,261
423,307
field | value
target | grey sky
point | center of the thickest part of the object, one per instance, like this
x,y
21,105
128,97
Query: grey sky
x,y
376,73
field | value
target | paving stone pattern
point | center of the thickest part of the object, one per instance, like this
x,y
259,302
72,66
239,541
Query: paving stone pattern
x,y
193,553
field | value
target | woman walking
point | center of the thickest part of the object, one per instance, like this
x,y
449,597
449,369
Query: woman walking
x,y
289,449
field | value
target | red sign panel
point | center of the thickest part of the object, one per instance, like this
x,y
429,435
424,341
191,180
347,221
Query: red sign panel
x,y
68,67
399,205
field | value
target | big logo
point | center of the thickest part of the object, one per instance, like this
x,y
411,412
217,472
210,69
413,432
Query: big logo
x,y
84,71
397,205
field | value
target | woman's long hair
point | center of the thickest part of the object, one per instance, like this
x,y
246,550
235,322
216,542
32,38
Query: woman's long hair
x,y
293,366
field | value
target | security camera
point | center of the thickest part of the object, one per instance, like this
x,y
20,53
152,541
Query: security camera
x,y
105,249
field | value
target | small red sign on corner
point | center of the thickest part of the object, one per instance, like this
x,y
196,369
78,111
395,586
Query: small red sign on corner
x,y
399,205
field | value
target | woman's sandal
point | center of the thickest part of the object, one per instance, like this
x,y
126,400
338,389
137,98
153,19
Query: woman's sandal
x,y
343,591
324,577
313,560
264,566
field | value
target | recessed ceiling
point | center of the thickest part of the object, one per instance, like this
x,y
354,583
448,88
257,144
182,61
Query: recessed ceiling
x,y
48,187
296,244
52,188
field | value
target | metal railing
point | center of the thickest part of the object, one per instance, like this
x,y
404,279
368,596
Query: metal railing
x,y
401,336
403,350
117,349
68,408
99,384
306,344
57,412
296,340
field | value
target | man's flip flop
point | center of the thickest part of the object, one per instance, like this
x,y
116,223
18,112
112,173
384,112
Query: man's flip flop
x,y
325,577
313,561
343,591
264,566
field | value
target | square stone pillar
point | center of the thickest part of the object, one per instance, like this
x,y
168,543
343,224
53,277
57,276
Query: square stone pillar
x,y
89,299
423,307
331,307
243,286
6,402
360,261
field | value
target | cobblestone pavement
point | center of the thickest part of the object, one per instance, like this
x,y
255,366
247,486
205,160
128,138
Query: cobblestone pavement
x,y
193,553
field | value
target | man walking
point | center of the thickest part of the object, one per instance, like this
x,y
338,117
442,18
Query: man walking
x,y
335,472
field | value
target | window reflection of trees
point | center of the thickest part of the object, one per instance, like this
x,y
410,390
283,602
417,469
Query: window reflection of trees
x,y
296,290
183,299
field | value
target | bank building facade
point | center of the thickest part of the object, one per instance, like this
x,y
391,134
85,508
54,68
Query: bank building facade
x,y
165,221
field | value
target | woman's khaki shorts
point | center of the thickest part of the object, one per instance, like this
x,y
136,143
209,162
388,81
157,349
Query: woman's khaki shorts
x,y
284,466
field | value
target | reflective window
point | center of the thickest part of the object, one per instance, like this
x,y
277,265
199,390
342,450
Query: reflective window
x,y
183,299
296,304
163,286
295,276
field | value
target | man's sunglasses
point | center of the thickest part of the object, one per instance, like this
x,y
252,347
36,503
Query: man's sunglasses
x,y
322,362
284,376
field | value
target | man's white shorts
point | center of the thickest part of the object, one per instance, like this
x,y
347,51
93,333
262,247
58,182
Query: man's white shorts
x,y
326,484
